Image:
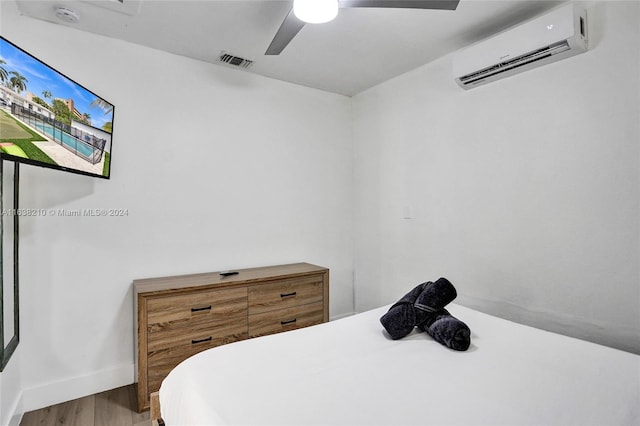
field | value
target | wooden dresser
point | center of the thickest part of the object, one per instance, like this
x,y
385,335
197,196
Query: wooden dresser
x,y
179,316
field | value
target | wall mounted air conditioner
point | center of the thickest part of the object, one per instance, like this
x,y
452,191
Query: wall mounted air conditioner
x,y
557,35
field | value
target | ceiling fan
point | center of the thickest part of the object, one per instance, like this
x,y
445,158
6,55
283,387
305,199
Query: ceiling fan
x,y
328,9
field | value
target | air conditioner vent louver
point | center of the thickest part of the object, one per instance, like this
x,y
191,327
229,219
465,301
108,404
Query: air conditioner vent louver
x,y
525,59
233,60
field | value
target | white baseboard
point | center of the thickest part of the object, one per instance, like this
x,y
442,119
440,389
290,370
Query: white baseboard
x,y
76,387
337,317
16,412
612,335
16,419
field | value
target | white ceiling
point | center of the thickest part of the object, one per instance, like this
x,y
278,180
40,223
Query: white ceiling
x,y
357,50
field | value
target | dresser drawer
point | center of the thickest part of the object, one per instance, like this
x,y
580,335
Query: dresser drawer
x,y
220,330
161,362
185,310
285,294
285,319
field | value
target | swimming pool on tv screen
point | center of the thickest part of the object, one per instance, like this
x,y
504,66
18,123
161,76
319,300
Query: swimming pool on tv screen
x,y
66,139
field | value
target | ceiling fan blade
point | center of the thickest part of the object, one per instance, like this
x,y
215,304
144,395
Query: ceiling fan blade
x,y
287,31
292,25
402,4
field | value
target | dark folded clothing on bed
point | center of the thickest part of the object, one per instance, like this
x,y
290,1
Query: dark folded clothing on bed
x,y
448,330
401,317
433,298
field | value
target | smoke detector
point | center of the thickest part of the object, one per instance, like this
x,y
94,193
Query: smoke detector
x,y
67,15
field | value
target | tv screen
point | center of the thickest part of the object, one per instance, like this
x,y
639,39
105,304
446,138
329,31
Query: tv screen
x,y
49,120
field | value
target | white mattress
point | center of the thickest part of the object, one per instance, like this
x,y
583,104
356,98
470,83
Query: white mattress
x,y
347,372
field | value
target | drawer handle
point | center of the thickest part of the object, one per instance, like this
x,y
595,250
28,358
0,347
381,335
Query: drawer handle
x,y
288,322
206,308
283,295
208,339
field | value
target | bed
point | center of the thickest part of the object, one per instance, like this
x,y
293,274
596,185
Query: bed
x,y
349,372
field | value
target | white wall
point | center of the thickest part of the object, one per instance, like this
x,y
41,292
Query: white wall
x,y
218,169
524,192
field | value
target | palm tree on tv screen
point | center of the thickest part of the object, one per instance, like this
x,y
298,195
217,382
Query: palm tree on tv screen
x,y
102,104
18,82
4,75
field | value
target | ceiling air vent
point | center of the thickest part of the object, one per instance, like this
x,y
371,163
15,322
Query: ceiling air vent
x,y
235,61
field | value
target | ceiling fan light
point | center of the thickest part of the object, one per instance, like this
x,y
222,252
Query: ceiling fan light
x,y
315,11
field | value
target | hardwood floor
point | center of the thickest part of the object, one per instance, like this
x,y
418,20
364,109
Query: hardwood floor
x,y
116,407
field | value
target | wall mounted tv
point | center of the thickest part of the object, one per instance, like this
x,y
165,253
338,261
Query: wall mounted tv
x,y
49,120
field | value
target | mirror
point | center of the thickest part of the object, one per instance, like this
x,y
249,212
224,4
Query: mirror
x,y
9,303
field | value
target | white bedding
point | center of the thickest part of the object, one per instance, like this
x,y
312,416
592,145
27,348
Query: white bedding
x,y
347,372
